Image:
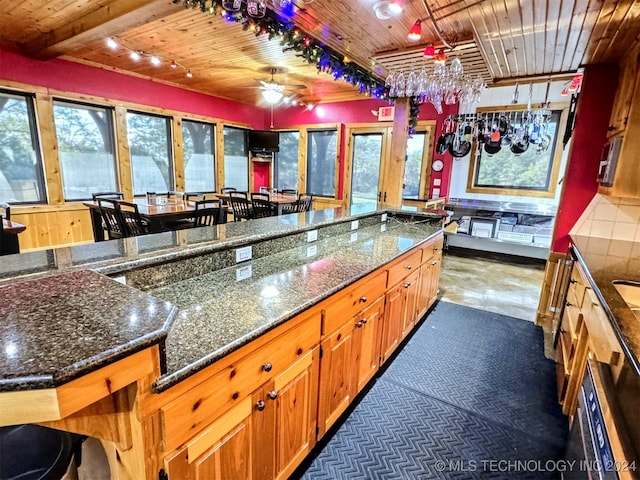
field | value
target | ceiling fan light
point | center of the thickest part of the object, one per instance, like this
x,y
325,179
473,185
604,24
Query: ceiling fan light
x,y
396,6
272,96
429,51
111,43
415,32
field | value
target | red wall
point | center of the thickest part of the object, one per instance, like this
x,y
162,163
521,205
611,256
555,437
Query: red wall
x,y
78,78
359,111
590,134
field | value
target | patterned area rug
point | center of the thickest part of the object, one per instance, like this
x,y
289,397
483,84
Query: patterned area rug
x,y
471,395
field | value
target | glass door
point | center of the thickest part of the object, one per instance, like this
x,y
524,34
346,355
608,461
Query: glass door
x,y
367,151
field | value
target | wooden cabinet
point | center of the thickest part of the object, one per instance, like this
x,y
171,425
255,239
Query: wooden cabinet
x,y
393,321
584,332
336,376
253,416
625,122
429,276
627,81
366,343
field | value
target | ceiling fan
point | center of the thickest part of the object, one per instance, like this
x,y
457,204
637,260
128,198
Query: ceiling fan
x,y
273,92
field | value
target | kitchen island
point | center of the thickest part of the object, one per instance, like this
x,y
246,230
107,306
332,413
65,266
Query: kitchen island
x,y
232,333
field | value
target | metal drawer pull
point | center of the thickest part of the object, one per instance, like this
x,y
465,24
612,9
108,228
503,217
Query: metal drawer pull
x,y
273,394
364,320
359,324
408,267
260,405
267,367
363,299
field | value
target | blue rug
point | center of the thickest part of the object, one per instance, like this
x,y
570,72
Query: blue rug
x,y
471,395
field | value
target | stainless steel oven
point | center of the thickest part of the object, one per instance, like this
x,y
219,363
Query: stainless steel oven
x,y
598,447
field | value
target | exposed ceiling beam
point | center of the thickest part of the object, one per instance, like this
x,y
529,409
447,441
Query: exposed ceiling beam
x,y
105,21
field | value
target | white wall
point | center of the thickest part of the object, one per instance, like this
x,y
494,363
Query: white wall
x,y
501,97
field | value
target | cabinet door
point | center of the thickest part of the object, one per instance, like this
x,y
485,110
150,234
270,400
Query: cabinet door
x,y
393,320
295,394
410,284
220,451
366,342
336,376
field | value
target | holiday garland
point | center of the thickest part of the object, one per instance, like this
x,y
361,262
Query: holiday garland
x,y
305,46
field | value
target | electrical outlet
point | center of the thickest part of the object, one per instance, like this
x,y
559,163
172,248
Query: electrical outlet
x,y
243,273
243,254
383,228
121,279
312,250
383,217
354,236
436,182
354,224
312,235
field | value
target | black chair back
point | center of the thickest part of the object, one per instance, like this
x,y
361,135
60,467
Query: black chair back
x,y
240,205
133,223
111,218
228,189
108,195
5,211
289,191
304,202
208,212
262,206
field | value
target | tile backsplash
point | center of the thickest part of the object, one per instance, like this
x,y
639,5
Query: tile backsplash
x,y
610,218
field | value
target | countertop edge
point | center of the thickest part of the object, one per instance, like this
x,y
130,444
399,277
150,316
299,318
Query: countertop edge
x,y
164,383
629,354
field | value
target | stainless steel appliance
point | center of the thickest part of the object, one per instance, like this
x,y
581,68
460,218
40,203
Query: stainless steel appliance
x,y
609,161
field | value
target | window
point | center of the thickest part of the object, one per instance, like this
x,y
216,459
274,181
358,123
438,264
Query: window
x,y
151,153
321,162
286,161
503,167
199,158
413,166
21,176
86,148
236,160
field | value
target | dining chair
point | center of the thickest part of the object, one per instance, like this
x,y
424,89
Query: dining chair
x,y
262,206
134,224
289,191
226,190
241,206
304,202
208,212
5,211
194,196
171,195
108,195
112,220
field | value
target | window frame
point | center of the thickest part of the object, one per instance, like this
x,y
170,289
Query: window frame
x,y
168,118
36,143
554,168
298,163
224,154
323,128
214,151
112,130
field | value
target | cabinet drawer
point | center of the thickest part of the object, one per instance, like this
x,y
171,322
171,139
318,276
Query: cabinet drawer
x,y
404,266
192,411
432,249
575,293
574,320
355,299
603,342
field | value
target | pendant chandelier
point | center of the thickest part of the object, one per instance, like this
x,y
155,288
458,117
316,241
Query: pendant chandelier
x,y
446,84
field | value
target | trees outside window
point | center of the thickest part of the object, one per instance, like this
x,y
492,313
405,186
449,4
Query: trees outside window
x,y
151,153
198,140
413,166
86,149
236,160
286,161
21,172
322,148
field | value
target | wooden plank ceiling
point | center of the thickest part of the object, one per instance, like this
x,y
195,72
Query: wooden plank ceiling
x,y
502,40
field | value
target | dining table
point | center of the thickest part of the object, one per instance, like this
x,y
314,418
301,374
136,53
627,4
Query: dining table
x,y
159,215
278,200
9,243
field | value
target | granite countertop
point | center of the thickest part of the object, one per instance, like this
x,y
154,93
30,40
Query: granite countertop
x,y
218,313
62,317
607,260
56,329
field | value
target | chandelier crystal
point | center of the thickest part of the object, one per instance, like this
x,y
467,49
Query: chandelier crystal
x,y
445,84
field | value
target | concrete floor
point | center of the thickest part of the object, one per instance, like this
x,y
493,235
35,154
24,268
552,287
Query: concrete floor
x,y
499,284
505,285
